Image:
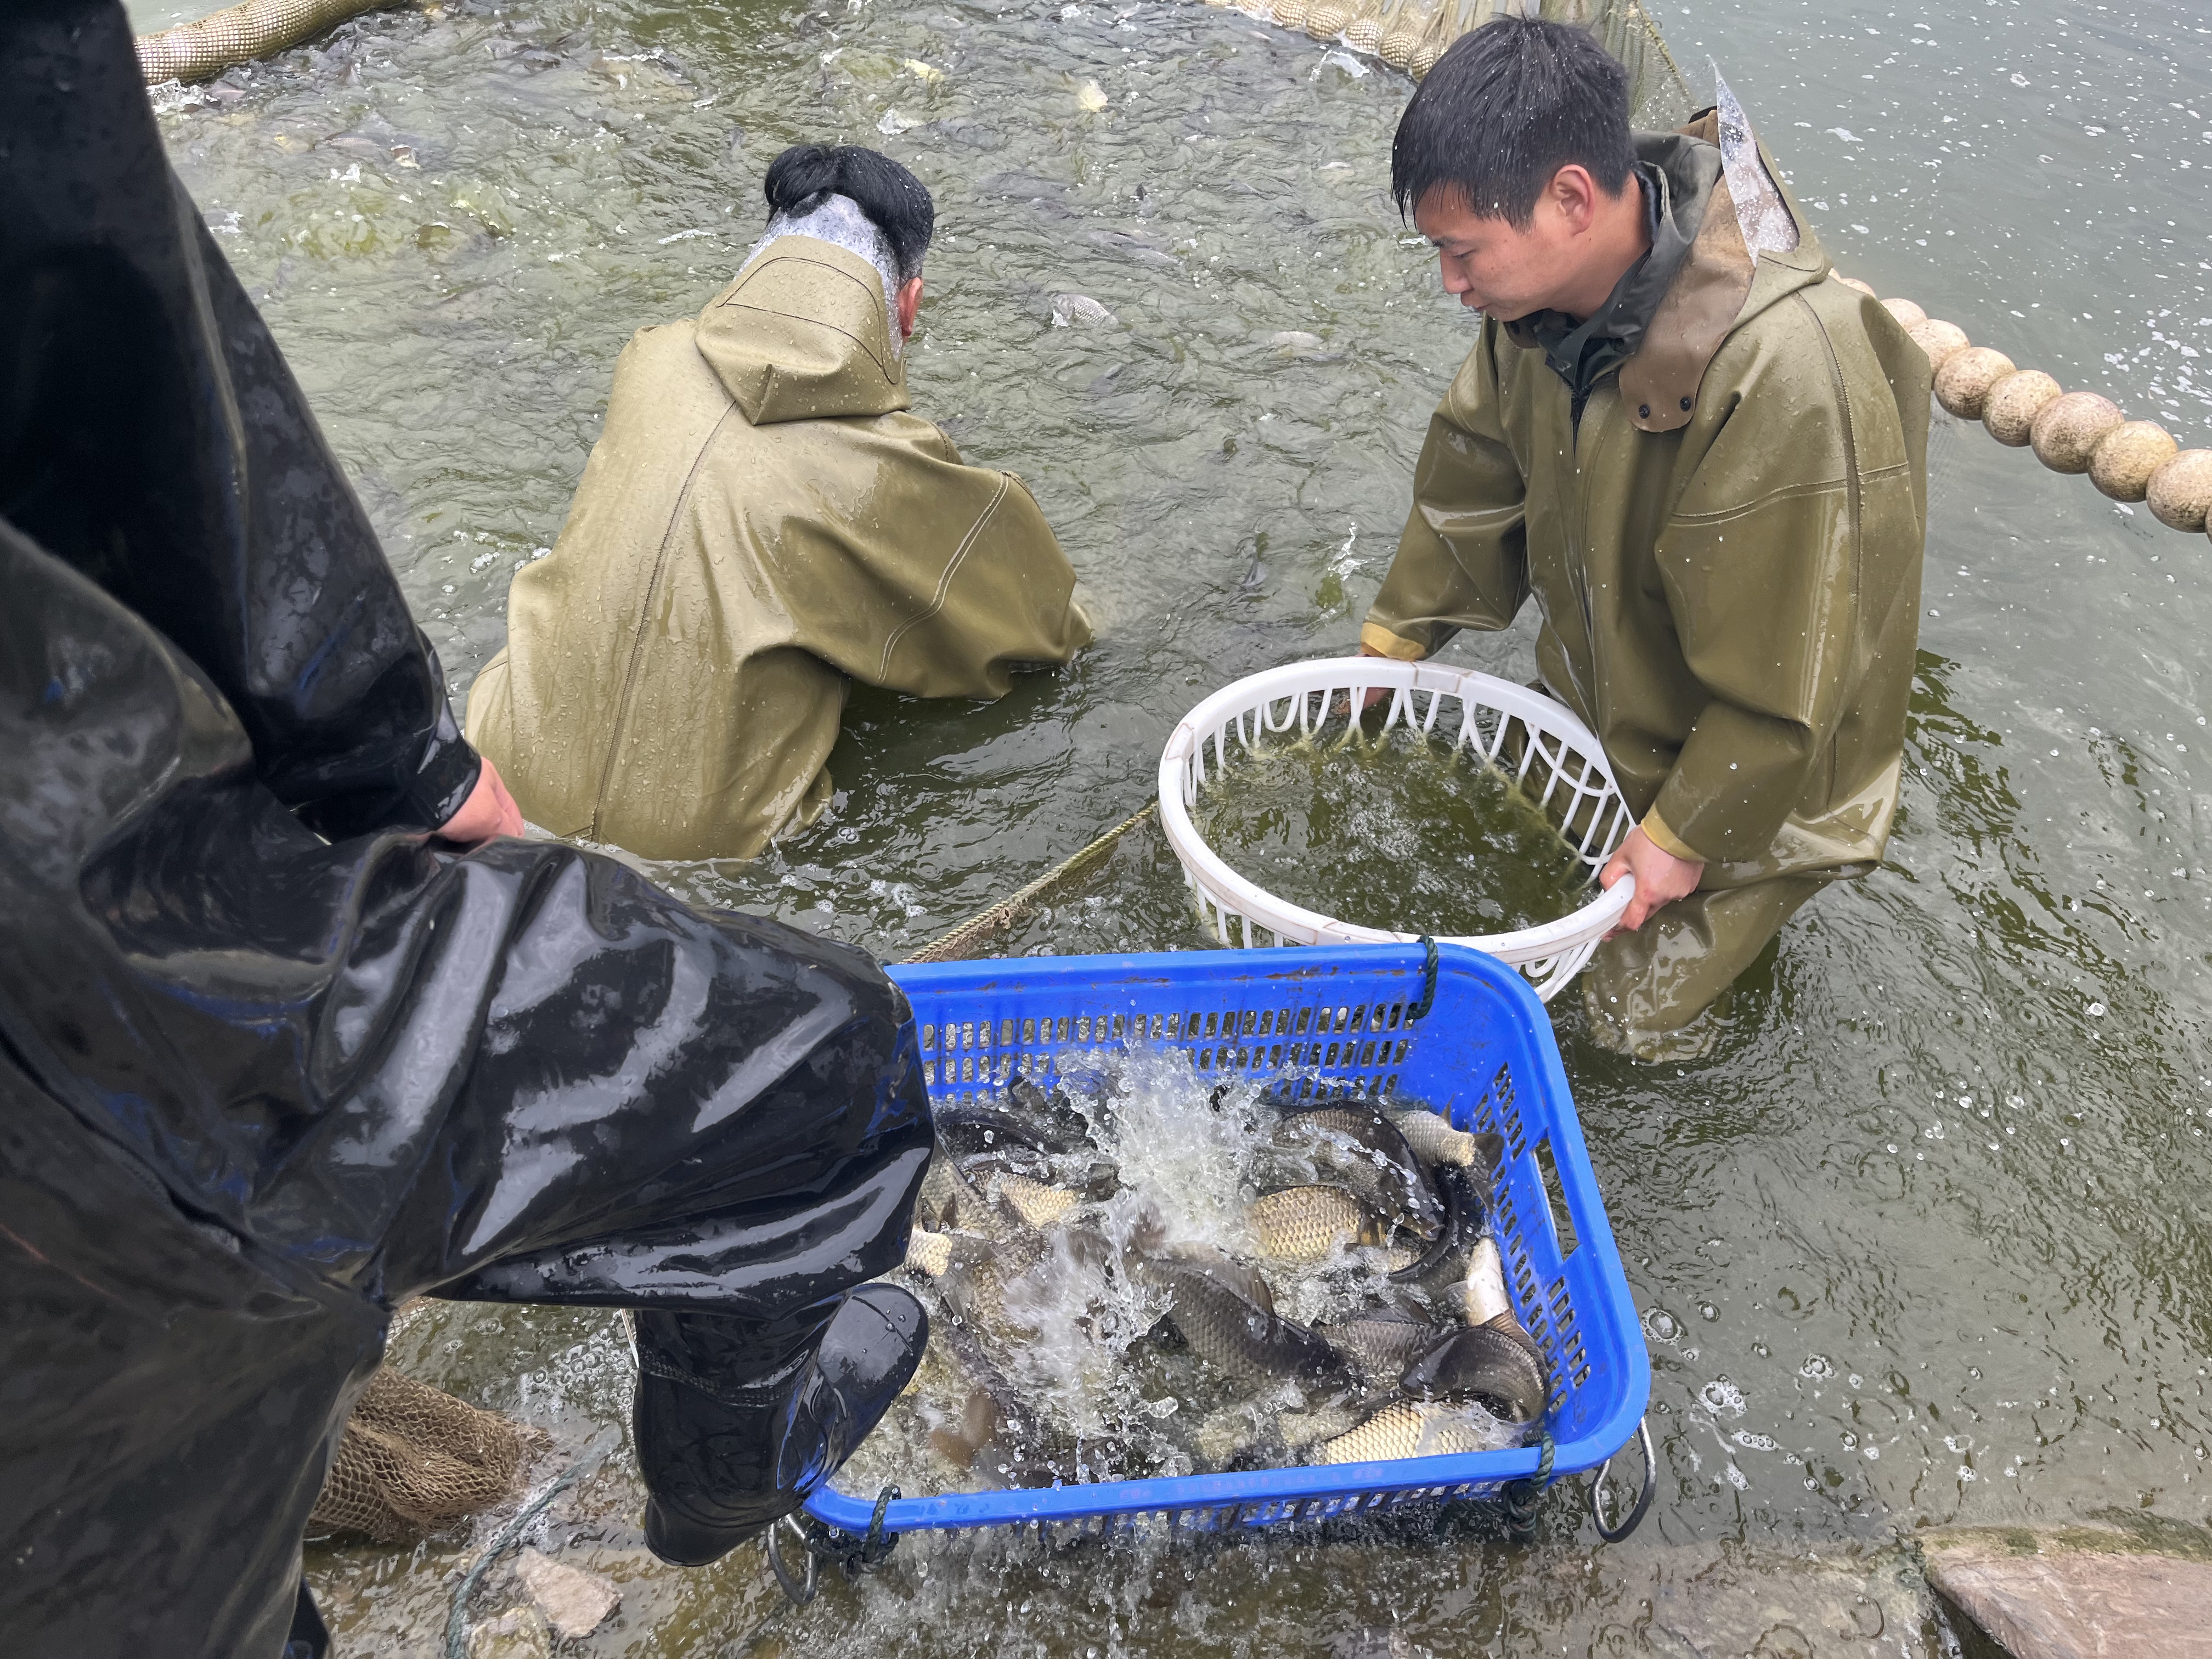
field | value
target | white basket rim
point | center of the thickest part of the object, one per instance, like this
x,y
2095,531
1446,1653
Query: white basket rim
x,y
1360,675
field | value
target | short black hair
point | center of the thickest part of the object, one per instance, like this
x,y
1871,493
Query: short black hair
x,y
896,203
1506,107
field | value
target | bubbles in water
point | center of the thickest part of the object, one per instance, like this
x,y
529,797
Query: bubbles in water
x,y
1721,1396
1818,1368
1661,1325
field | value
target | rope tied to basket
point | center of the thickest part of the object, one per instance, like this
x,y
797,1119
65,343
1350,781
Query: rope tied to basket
x,y
1420,1010
1524,1497
855,1555
824,1542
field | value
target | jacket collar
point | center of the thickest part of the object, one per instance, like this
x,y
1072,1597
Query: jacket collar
x,y
1675,178
1716,288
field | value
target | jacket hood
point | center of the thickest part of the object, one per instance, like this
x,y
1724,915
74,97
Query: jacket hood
x,y
1719,287
803,334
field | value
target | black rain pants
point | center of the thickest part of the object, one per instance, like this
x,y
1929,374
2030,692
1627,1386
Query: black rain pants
x,y
272,1057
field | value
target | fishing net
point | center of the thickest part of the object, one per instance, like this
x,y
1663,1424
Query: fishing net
x,y
414,1460
1411,34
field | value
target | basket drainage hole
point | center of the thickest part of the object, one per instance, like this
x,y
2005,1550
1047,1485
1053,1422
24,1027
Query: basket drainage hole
x,y
1555,1200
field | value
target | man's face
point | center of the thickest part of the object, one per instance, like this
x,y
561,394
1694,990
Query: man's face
x,y
1495,268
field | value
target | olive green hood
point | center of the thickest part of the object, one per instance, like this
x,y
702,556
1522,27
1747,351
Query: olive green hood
x,y
803,335
1725,550
761,521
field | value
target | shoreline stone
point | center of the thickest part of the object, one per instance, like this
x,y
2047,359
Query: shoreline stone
x,y
2090,1592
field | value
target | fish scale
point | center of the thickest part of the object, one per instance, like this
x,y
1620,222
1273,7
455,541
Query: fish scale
x,y
1418,1428
1306,1223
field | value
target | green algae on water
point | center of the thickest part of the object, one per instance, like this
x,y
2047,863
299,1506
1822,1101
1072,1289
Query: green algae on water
x,y
1401,831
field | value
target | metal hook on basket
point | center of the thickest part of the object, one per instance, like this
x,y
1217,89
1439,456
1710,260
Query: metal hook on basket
x,y
1614,1534
802,1591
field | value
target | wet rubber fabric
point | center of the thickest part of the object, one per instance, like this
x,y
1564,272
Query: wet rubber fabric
x,y
761,521
1726,554
272,1058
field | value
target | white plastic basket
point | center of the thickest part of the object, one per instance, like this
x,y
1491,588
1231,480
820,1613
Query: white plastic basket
x,y
1559,754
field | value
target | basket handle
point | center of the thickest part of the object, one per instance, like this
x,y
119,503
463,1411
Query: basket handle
x,y
1614,1534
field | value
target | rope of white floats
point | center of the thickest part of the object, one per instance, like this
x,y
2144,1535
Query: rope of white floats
x,y
2069,431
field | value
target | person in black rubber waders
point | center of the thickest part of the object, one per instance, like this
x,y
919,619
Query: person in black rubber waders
x,y
290,1030
1706,461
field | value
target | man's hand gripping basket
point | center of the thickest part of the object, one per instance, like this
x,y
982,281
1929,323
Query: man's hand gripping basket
x,y
1552,757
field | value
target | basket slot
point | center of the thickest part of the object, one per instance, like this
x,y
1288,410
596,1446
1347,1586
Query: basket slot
x,y
1555,1200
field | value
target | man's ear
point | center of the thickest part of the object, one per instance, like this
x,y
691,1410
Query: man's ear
x,y
1575,194
909,305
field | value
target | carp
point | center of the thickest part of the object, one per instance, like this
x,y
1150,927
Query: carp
x,y
1306,1224
1418,1428
1226,1313
1433,1139
1381,1342
1491,1367
1366,1152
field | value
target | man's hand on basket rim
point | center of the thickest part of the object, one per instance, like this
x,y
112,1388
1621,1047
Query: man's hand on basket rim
x,y
1661,878
1378,693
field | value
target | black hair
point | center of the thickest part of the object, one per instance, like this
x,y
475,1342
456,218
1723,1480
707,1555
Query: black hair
x,y
896,203
1505,107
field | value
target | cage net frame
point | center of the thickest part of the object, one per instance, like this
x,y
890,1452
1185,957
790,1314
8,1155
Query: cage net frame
x,y
1557,763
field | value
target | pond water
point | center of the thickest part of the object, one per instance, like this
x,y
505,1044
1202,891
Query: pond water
x,y
1921,1241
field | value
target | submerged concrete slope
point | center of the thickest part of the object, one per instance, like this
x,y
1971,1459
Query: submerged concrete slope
x,y
2081,1593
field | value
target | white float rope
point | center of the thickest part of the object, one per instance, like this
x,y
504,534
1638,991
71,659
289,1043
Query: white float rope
x,y
2069,431
209,45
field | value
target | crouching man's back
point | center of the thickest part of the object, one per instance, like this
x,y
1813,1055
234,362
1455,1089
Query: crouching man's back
x,y
761,519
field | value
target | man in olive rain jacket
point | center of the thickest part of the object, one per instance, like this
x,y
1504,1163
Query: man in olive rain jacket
x,y
760,523
1705,459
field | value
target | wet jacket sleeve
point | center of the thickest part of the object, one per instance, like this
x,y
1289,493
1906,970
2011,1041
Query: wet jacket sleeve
x,y
1003,599
127,345
1462,561
1760,558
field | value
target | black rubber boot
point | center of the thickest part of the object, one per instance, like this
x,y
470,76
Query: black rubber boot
x,y
723,1463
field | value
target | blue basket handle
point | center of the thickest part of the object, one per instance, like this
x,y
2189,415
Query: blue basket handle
x,y
1614,1534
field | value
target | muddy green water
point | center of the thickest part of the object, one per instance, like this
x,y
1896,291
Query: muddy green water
x,y
1396,831
1922,1241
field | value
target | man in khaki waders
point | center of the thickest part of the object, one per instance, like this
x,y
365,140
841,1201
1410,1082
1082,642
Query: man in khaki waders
x,y
1708,463
760,523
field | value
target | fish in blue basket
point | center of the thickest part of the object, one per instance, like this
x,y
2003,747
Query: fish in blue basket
x,y
1360,1149
1311,1222
1226,1312
1420,1428
1501,1373
1381,1342
1433,1139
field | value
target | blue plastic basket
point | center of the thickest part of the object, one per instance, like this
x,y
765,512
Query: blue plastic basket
x,y
1347,1019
